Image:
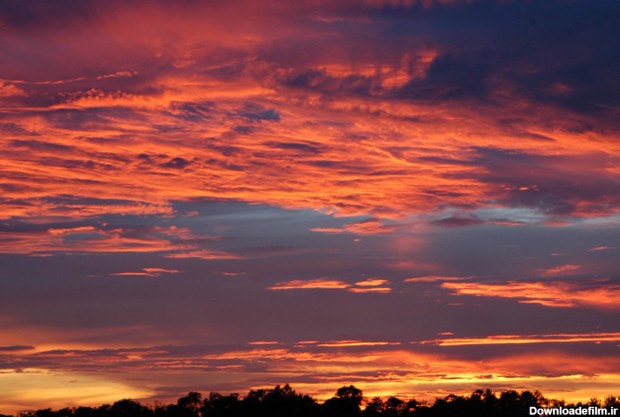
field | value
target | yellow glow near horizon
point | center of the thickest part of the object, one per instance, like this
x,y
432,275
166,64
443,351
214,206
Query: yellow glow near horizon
x,y
30,389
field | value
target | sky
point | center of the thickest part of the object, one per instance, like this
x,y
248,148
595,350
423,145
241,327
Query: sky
x,y
416,197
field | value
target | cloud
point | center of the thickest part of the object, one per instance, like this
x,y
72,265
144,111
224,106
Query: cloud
x,y
55,209
355,343
379,367
381,290
600,294
207,254
372,282
210,117
408,114
148,272
599,248
457,221
170,241
321,283
559,270
528,339
433,278
371,285
15,348
550,185
366,227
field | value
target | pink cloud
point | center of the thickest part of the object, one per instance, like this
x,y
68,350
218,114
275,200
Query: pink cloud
x,y
560,270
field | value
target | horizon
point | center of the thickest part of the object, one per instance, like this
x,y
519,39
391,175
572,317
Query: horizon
x,y
347,400
408,196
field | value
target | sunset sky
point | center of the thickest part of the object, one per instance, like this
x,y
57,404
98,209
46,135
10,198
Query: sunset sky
x,y
416,197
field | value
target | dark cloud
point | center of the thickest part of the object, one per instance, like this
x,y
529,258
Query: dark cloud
x,y
304,148
554,184
40,146
191,112
256,112
454,76
458,221
320,80
37,13
15,348
177,163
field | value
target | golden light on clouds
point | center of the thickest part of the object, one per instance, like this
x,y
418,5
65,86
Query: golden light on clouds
x,y
62,389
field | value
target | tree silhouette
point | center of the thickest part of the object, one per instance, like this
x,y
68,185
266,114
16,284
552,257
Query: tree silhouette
x,y
283,401
129,408
190,405
346,403
278,402
218,405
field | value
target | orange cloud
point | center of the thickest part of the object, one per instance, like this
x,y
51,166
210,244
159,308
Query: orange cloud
x,y
90,239
152,163
372,285
528,339
372,282
596,293
172,242
368,227
353,343
321,283
377,367
380,176
148,272
381,290
433,278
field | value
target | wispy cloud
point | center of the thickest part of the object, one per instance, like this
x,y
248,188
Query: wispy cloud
x,y
372,285
147,272
599,248
512,339
367,227
560,270
372,282
172,241
434,278
207,254
601,294
355,343
320,283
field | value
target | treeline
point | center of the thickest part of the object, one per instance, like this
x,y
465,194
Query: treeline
x,y
348,402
